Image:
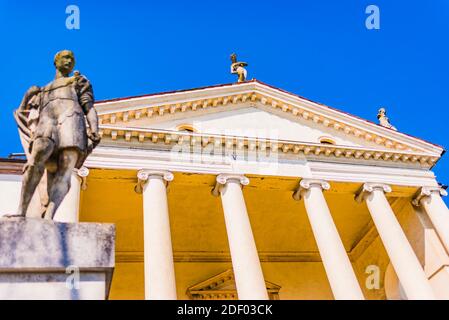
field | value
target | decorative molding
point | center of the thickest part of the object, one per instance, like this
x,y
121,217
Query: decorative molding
x,y
167,104
220,256
146,174
202,141
306,184
346,122
222,180
123,158
368,188
225,177
359,173
427,191
222,287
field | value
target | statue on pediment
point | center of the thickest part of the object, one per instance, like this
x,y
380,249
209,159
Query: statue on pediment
x,y
58,127
383,119
238,67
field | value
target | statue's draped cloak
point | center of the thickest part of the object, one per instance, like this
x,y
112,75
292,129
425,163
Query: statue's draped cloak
x,y
57,113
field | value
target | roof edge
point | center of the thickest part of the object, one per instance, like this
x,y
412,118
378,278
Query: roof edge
x,y
177,91
369,122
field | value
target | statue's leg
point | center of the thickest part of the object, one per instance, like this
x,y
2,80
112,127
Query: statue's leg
x,y
35,167
61,181
45,198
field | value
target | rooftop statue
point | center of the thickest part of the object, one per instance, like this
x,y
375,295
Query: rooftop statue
x,y
383,119
54,134
238,68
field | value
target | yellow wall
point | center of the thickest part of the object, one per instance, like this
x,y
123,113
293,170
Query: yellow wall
x,y
375,253
280,227
304,280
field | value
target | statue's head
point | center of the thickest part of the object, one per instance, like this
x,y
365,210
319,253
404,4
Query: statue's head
x,y
64,61
233,58
381,113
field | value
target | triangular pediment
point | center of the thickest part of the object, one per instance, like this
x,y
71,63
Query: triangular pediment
x,y
222,287
253,120
256,110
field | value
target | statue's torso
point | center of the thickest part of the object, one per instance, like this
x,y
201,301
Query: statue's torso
x,y
61,117
60,100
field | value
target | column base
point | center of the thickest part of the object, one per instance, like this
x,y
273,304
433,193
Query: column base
x,y
42,259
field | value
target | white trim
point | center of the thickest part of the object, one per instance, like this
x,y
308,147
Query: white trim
x,y
350,119
286,146
362,174
136,159
251,88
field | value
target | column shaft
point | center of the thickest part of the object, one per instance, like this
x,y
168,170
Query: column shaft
x,y
68,211
160,283
248,274
340,273
438,213
403,259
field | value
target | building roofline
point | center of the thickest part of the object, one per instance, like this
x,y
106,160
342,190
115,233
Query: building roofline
x,y
275,88
351,115
177,91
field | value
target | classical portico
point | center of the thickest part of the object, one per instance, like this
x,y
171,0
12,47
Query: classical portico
x,y
286,193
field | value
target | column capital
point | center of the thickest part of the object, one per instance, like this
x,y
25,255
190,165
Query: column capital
x,y
146,174
224,178
306,184
368,188
82,174
427,191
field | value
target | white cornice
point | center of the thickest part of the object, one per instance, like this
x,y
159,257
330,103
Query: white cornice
x,y
165,104
167,139
349,120
130,104
125,158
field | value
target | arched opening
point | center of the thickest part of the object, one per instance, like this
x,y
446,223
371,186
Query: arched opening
x,y
327,140
186,128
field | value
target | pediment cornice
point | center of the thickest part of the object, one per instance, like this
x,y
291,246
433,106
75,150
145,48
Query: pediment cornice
x,y
203,142
121,112
222,286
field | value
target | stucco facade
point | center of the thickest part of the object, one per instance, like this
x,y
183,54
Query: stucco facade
x,y
248,191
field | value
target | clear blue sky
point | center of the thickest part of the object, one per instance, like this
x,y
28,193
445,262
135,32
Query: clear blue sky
x,y
319,49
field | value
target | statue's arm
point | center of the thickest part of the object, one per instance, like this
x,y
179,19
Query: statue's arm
x,y
92,120
86,100
233,68
31,92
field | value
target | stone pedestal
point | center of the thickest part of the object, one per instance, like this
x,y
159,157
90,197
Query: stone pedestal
x,y
42,259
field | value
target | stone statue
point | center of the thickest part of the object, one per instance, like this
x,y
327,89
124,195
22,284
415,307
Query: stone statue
x,y
238,68
54,134
383,119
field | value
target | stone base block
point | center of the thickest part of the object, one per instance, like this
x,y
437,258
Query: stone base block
x,y
42,259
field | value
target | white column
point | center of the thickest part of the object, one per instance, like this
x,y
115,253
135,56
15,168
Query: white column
x,y
430,199
160,281
68,211
248,274
10,187
402,257
339,271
